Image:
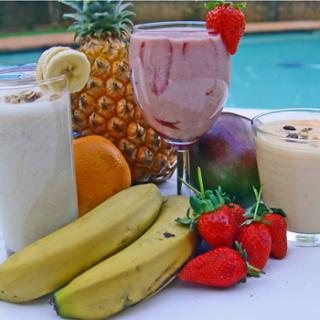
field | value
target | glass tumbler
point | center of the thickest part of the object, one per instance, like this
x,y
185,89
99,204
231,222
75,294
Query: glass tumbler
x,y
37,178
288,156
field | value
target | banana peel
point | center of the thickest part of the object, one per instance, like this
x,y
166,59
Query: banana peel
x,y
137,272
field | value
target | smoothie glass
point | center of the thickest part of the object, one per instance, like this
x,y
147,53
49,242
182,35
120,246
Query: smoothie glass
x,y
37,179
180,75
288,156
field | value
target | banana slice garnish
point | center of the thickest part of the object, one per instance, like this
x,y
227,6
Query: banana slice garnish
x,y
62,60
45,58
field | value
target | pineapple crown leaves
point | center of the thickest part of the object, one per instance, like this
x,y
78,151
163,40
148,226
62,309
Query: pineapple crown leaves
x,y
95,18
251,270
238,5
204,201
257,212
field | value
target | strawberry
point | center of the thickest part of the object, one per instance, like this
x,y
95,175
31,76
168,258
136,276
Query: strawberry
x,y
277,227
210,216
221,267
253,234
233,27
274,220
255,239
237,213
213,19
218,228
228,20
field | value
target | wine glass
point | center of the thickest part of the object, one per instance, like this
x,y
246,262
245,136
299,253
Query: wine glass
x,y
180,73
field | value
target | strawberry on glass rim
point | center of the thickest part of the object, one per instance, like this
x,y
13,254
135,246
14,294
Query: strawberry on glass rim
x,y
226,19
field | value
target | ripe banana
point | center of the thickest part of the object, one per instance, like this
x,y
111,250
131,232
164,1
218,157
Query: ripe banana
x,y
63,60
56,259
133,274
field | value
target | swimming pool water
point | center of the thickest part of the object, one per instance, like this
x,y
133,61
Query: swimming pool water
x,y
277,71
269,70
8,59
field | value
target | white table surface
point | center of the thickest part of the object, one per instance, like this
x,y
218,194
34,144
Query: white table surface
x,y
288,291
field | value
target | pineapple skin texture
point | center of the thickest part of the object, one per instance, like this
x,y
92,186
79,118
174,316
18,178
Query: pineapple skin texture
x,y
106,106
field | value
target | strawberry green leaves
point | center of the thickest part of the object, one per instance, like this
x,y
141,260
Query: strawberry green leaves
x,y
203,201
213,4
257,212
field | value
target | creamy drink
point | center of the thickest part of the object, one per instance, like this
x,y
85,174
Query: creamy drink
x,y
288,155
37,182
181,80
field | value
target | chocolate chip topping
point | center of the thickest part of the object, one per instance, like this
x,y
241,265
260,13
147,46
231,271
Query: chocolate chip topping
x,y
290,128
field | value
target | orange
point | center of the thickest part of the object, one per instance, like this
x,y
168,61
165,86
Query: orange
x,y
101,171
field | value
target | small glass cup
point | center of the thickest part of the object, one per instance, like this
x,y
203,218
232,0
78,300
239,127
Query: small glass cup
x,y
288,156
180,74
37,178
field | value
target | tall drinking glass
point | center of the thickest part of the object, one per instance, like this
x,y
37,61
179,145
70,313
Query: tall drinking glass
x,y
180,74
37,179
288,156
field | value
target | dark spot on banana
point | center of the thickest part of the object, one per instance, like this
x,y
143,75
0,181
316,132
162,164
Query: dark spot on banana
x,y
168,235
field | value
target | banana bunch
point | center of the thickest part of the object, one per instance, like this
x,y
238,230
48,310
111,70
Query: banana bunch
x,y
58,61
133,274
122,252
53,261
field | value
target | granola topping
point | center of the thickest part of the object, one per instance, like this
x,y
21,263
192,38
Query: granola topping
x,y
300,133
22,97
303,134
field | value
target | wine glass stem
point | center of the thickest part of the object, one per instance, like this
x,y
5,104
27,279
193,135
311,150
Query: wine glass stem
x,y
183,172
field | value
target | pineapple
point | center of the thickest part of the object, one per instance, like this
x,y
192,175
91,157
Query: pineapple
x,y
106,106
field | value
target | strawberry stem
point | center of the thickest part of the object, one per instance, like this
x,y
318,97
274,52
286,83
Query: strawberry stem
x,y
200,180
258,198
268,209
189,186
256,193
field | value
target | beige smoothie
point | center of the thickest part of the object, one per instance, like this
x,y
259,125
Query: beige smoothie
x,y
37,182
288,155
181,80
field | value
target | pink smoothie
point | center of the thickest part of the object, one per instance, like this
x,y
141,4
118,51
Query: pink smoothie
x,y
181,80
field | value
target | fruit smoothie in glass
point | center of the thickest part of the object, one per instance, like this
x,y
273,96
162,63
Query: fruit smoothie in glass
x,y
181,80
37,179
288,156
